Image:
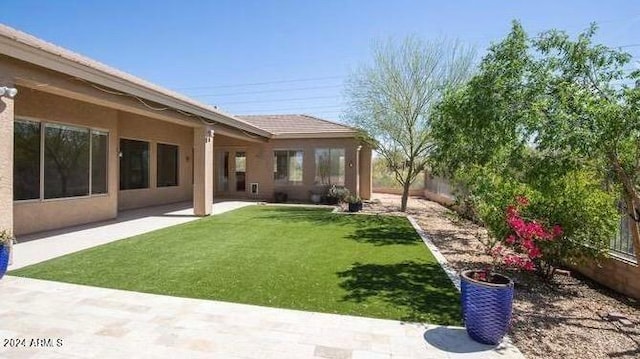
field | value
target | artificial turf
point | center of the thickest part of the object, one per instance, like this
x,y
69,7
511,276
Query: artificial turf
x,y
287,257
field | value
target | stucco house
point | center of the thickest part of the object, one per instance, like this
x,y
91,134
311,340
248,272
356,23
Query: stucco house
x,y
80,141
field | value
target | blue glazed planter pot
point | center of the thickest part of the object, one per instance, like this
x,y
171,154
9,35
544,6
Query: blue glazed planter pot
x,y
486,307
4,259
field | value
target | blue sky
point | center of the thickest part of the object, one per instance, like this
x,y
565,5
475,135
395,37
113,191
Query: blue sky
x,y
288,56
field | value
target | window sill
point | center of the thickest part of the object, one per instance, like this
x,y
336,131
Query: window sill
x,y
74,198
134,189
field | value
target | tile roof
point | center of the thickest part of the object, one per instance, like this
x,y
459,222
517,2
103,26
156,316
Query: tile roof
x,y
295,124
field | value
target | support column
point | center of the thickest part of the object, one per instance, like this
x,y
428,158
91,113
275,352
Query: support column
x,y
366,172
6,157
202,170
358,170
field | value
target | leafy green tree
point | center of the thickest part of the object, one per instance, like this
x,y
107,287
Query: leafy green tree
x,y
393,98
552,118
591,107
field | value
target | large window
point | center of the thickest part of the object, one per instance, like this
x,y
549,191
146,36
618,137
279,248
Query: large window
x,y
330,166
99,160
287,167
134,164
66,161
26,160
58,161
167,165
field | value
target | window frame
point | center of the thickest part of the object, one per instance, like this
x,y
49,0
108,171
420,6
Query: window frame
x,y
85,131
288,181
107,167
178,177
344,168
42,123
149,169
40,166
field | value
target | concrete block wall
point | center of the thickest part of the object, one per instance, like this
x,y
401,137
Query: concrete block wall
x,y
618,274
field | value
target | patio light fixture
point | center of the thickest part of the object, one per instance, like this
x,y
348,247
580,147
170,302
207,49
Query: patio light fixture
x,y
10,92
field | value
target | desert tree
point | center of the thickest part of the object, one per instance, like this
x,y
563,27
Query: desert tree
x,y
392,99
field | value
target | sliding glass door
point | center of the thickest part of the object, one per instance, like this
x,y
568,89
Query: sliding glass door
x,y
231,172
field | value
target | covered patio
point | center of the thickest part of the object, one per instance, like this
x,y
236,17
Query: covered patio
x,y
81,141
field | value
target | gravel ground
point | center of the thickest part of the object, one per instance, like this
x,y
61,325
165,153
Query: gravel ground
x,y
566,318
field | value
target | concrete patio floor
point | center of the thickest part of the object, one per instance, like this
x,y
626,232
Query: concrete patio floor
x,y
72,321
33,248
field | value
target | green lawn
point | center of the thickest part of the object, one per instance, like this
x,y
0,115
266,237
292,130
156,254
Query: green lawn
x,y
288,257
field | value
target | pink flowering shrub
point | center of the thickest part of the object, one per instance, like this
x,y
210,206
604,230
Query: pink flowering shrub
x,y
522,231
522,247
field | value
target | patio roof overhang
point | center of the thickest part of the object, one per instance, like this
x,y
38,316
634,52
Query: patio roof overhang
x,y
32,50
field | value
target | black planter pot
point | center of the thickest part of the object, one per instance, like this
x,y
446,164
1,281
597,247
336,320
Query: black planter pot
x,y
355,207
486,307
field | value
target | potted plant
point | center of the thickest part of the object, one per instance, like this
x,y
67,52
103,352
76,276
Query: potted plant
x,y
355,203
336,195
487,300
487,296
6,242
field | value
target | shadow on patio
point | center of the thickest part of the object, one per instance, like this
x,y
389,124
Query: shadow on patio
x,y
422,288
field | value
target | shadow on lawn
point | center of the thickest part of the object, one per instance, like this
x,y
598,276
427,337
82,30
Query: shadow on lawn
x,y
421,289
387,234
324,216
372,229
301,214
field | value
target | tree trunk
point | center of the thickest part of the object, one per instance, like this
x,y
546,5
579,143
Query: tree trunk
x,y
405,196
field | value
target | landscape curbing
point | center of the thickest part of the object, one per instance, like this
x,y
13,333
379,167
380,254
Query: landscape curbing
x,y
451,273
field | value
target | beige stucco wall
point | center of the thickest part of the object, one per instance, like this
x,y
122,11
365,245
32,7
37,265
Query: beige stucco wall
x,y
50,96
366,172
136,127
260,164
618,274
6,159
39,215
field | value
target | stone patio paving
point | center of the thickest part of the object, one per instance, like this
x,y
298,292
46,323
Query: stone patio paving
x,y
73,321
89,322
